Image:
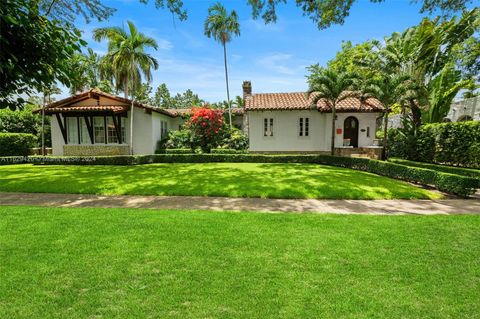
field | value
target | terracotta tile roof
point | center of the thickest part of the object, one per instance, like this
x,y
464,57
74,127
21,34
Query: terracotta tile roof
x,y
61,106
89,108
302,101
182,112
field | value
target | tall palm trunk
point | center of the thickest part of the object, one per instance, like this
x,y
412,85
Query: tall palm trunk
x,y
226,80
43,124
334,114
385,133
131,112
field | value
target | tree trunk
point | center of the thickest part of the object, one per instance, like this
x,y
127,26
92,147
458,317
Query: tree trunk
x,y
385,133
125,88
416,113
226,80
131,111
43,124
333,128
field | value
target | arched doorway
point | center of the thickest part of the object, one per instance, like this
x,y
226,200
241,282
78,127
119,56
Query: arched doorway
x,y
350,130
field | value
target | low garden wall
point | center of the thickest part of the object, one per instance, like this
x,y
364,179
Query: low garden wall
x,y
446,182
95,150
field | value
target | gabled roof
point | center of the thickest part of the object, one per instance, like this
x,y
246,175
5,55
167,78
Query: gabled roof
x,y
183,112
65,105
304,101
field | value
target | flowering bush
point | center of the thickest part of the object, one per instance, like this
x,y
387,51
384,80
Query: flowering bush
x,y
206,126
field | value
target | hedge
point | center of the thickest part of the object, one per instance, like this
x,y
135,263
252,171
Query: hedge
x,y
456,144
16,144
189,151
469,172
449,183
226,151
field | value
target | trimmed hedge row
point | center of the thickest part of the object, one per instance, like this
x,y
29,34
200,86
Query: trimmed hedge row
x,y
16,144
456,144
470,172
449,183
226,151
189,151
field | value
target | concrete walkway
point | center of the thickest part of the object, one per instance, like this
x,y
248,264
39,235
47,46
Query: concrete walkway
x,y
391,207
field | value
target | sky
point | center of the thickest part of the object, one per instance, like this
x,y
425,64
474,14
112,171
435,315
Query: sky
x,y
273,57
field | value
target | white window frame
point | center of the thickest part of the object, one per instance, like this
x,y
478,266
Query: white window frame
x,y
304,127
268,125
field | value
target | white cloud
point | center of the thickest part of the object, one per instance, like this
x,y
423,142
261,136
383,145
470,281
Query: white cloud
x,y
279,63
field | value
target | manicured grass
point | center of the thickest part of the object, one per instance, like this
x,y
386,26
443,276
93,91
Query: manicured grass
x,y
126,263
209,179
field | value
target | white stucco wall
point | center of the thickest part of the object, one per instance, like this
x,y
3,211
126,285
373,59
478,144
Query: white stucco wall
x,y
286,131
57,138
365,120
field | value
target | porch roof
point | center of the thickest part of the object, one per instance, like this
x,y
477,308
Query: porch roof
x,y
67,105
100,109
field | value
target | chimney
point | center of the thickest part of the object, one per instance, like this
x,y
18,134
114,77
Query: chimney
x,y
247,89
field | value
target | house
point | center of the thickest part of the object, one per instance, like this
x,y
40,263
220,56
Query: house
x,y
97,123
291,123
464,110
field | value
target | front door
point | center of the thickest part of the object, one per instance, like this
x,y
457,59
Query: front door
x,y
350,130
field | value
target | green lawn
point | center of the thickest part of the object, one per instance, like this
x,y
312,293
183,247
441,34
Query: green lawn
x,y
126,263
209,179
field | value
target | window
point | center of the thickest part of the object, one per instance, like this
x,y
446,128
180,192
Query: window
x,y
368,131
163,128
84,138
72,130
99,129
304,126
111,131
123,121
268,127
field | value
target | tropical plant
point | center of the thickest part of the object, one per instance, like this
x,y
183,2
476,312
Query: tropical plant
x,y
206,125
239,101
441,92
390,89
128,59
332,87
424,51
220,26
34,52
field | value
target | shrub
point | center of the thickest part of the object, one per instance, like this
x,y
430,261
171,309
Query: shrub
x,y
175,151
234,139
206,127
442,168
226,151
16,144
450,183
456,144
24,121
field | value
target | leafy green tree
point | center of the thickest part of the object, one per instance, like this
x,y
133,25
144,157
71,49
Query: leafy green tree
x,y
142,94
128,60
327,12
186,100
424,51
30,58
162,97
220,26
356,59
88,71
331,86
25,121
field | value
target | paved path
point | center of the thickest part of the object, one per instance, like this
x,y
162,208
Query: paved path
x,y
393,207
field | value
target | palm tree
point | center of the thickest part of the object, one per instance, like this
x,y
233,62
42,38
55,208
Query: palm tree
x,y
221,26
332,87
128,60
390,89
239,101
